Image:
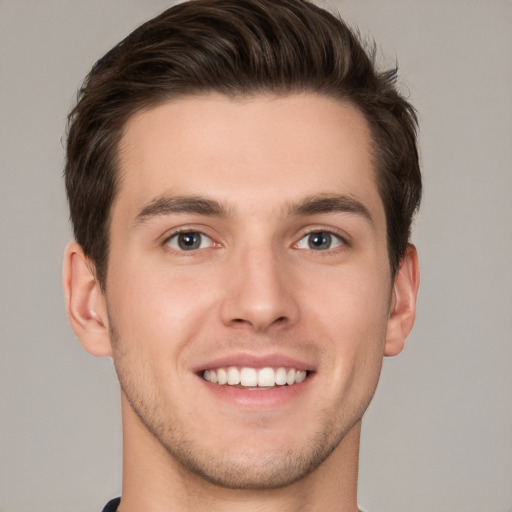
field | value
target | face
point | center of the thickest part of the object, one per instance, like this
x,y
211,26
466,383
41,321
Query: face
x,y
248,288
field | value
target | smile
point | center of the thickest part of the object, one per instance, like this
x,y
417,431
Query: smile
x,y
267,377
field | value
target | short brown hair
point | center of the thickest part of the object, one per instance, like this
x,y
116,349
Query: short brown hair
x,y
237,48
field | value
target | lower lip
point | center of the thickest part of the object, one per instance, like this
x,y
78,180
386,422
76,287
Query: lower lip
x,y
259,398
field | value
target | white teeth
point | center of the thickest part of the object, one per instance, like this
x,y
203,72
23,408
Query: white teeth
x,y
290,378
281,377
233,376
251,377
299,376
266,377
248,377
222,376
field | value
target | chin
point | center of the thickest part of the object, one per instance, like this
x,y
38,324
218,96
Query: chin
x,y
256,466
263,471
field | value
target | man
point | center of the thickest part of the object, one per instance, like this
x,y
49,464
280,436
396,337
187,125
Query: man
x,y
241,183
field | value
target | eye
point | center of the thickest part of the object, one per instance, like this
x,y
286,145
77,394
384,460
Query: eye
x,y
320,241
189,241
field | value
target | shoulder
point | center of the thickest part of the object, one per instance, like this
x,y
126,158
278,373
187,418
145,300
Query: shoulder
x,y
112,505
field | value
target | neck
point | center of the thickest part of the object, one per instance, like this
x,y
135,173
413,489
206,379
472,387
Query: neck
x,y
154,481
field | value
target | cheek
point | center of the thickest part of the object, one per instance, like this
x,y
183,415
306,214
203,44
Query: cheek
x,y
156,310
353,302
351,312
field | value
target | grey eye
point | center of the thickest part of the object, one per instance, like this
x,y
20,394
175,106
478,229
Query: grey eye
x,y
319,241
189,241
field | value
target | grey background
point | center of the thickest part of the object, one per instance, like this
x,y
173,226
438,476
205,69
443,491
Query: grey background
x,y
438,436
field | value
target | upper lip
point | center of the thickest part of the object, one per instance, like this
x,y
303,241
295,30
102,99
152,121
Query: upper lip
x,y
244,359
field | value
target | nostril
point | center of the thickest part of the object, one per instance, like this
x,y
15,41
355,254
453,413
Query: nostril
x,y
241,322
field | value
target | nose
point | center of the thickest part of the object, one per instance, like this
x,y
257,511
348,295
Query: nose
x,y
260,292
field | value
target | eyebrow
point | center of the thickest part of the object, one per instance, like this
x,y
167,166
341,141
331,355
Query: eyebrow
x,y
312,205
167,205
330,203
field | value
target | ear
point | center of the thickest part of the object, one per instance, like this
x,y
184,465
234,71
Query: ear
x,y
403,303
85,302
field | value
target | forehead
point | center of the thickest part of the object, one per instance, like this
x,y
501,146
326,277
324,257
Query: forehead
x,y
255,152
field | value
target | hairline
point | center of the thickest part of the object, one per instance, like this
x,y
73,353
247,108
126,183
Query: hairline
x,y
251,94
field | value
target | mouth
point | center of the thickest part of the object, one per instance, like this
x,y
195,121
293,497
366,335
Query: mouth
x,y
255,378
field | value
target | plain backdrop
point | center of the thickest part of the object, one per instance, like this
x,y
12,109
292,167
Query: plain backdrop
x,y
438,436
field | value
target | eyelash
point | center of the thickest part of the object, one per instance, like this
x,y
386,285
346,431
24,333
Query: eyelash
x,y
186,231
341,241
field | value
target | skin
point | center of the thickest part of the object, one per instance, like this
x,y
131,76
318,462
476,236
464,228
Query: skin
x,y
255,287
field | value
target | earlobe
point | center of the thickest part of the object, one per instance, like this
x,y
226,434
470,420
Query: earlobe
x,y
403,304
85,302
